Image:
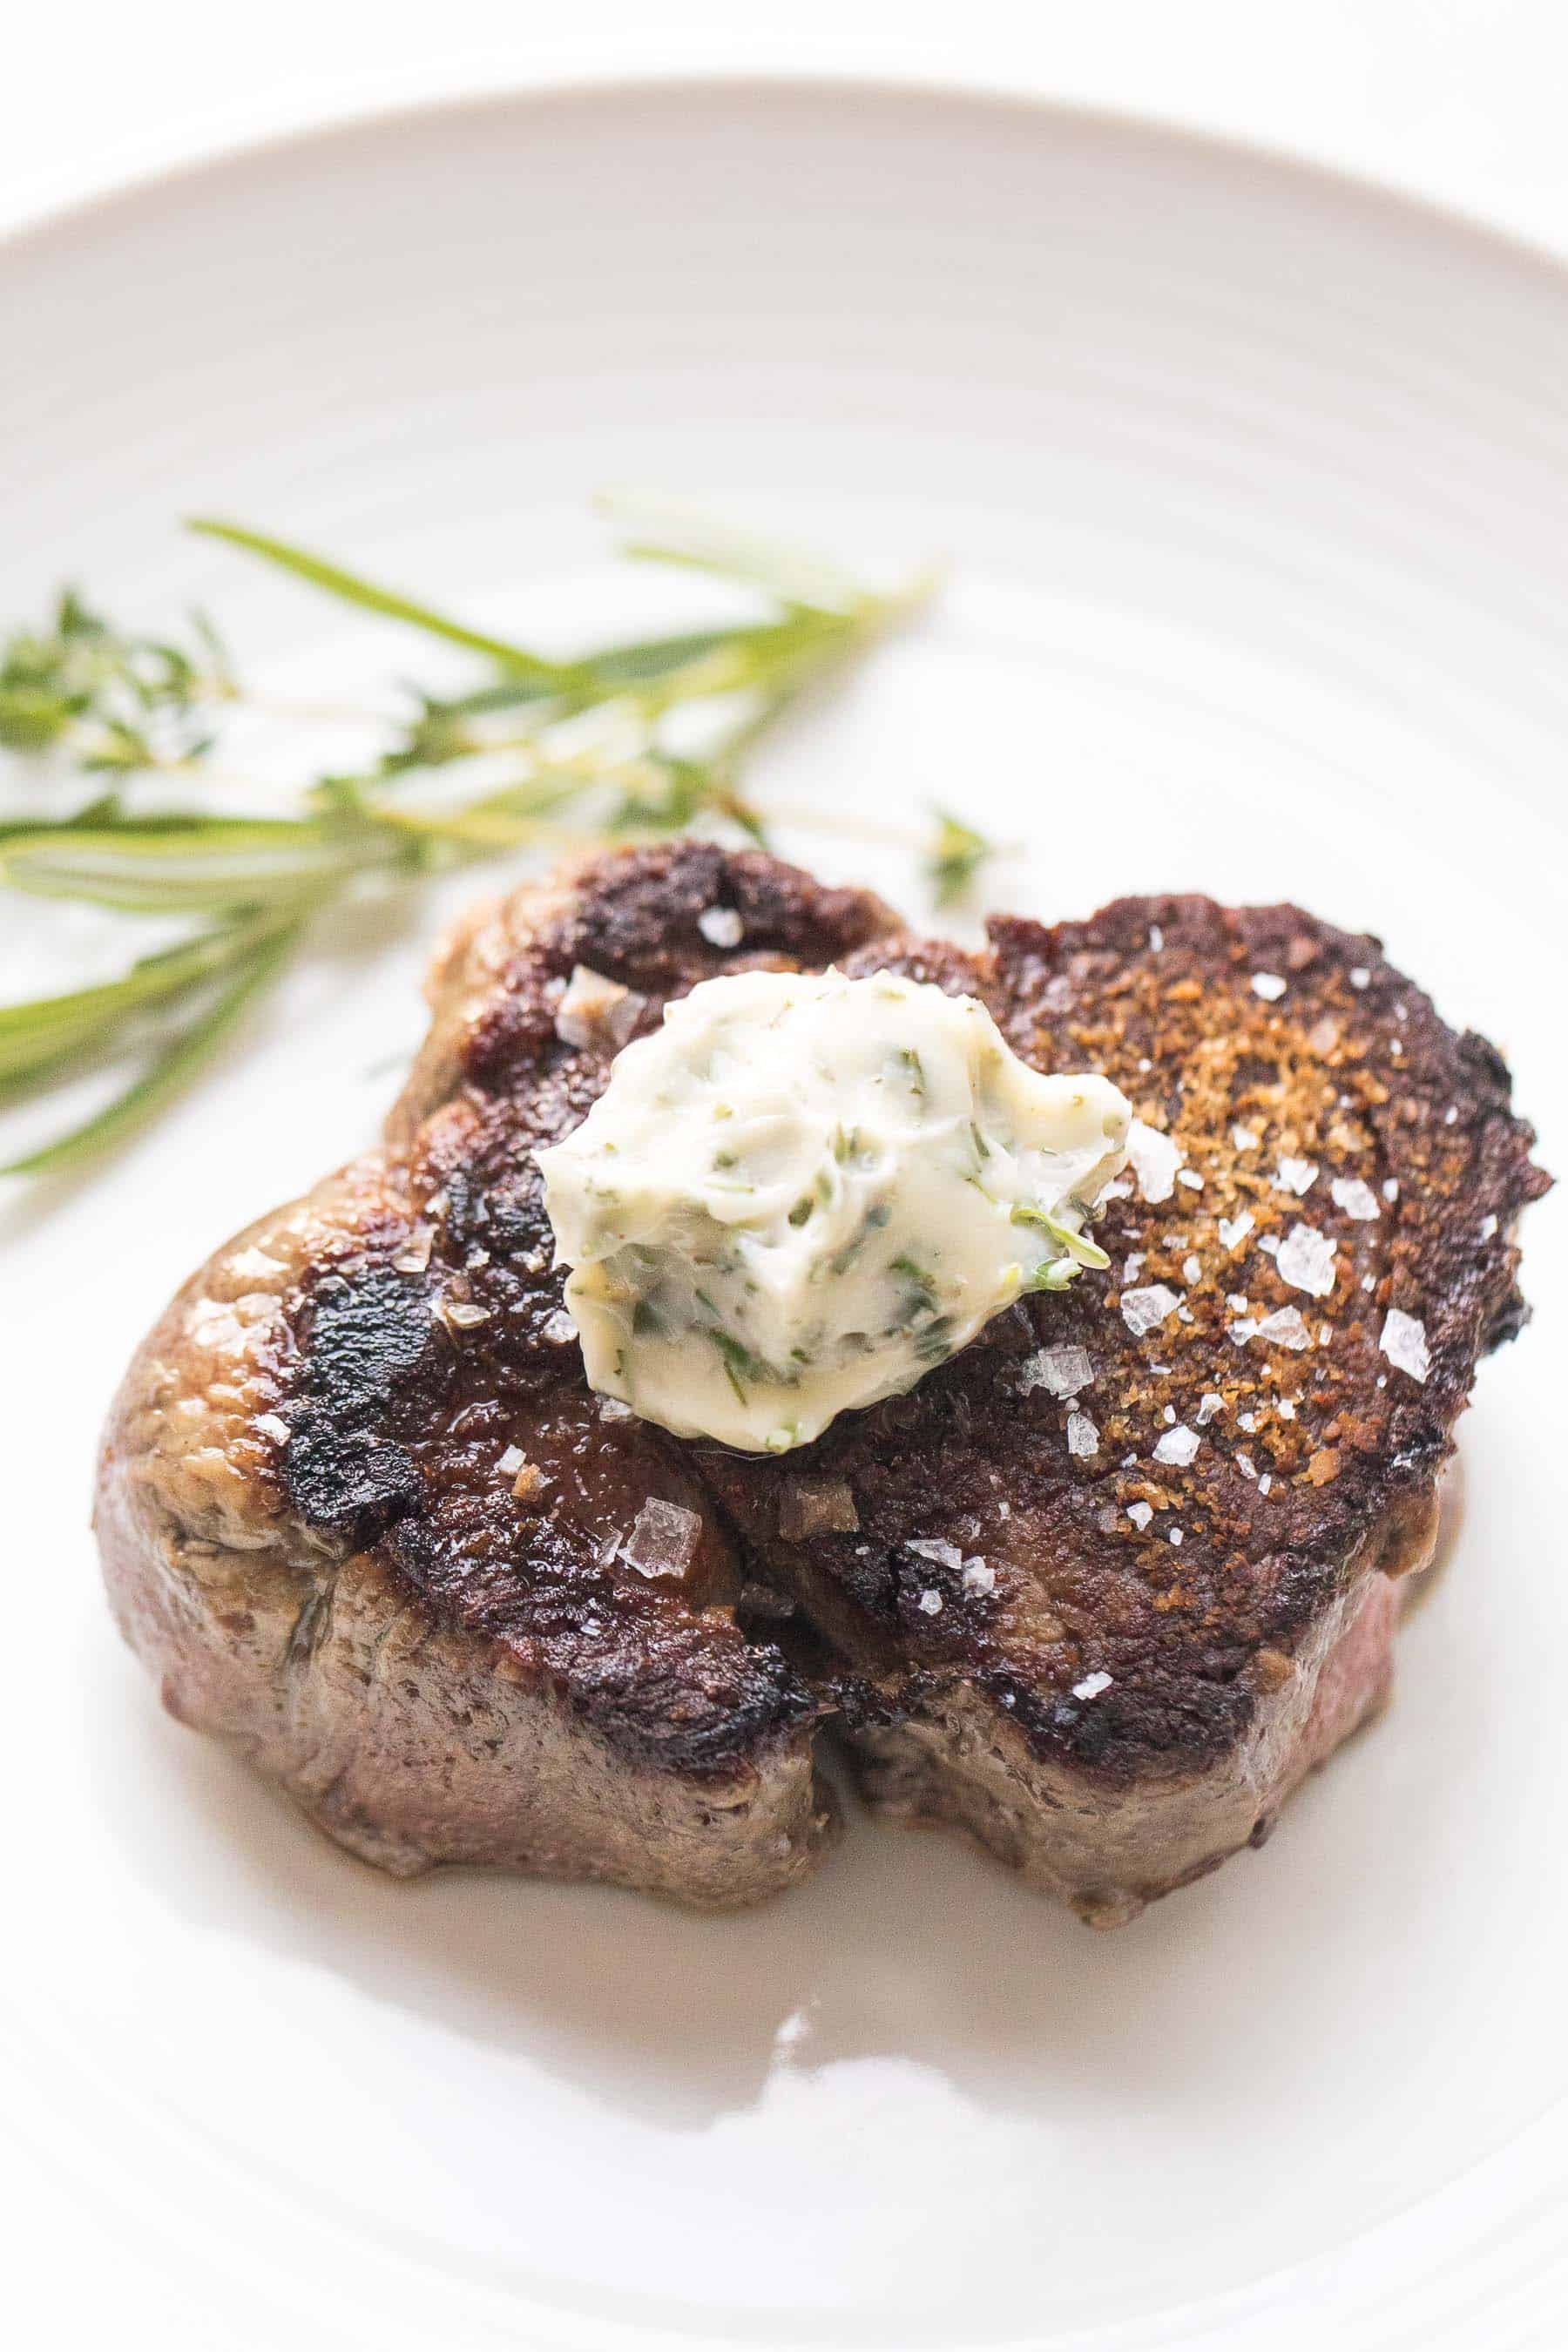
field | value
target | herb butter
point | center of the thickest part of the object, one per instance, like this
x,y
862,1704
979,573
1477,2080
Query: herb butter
x,y
804,1192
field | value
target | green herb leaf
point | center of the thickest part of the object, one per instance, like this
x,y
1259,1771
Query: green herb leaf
x,y
955,858
351,589
171,1070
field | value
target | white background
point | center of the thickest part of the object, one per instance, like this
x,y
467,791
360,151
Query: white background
x,y
1457,101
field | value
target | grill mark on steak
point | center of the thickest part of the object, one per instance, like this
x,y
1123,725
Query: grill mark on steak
x,y
403,1436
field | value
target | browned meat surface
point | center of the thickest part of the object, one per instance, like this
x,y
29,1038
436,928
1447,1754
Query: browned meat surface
x,y
1108,1667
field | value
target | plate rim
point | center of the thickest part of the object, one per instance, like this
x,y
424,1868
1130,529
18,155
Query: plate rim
x,y
71,217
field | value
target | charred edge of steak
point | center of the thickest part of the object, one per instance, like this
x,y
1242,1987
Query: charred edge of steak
x,y
634,917
363,1332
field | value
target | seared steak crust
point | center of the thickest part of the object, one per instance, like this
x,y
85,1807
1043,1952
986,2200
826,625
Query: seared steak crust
x,y
1196,1614
362,1401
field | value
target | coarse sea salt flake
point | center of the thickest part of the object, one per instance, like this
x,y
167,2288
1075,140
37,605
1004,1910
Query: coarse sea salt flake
x,y
1174,1537
1209,1404
664,1538
1154,1158
1296,1176
936,1549
1391,1188
1063,1371
1178,1445
595,1010
1083,1437
1488,1226
1269,985
930,1604
1145,1310
1233,1231
1192,1268
273,1425
1244,1139
463,1314
1306,1260
1354,1197
1091,1685
512,1461
1140,1513
721,927
1361,975
1285,1328
1404,1342
1191,1179
979,1576
559,1328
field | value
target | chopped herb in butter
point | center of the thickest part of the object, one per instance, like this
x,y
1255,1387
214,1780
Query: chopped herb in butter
x,y
890,1177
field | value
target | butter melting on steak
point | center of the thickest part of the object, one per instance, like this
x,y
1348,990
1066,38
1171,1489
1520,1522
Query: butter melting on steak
x,y
1099,1591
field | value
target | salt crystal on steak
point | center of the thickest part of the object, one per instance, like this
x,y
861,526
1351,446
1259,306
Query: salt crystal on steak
x,y
1306,1260
1145,1310
1404,1342
1154,1158
664,1538
1178,1445
721,927
1063,1371
1284,1329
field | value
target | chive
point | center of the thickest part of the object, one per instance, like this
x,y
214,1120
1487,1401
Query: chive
x,y
802,1209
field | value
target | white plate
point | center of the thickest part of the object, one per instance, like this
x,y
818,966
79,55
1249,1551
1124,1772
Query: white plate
x,y
1256,486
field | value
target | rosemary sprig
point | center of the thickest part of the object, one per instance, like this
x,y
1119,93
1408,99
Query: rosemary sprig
x,y
571,749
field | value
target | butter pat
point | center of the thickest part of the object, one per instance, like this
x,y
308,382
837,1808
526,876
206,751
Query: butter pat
x,y
805,1191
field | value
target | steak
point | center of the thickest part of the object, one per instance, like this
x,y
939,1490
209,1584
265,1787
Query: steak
x,y
1098,1592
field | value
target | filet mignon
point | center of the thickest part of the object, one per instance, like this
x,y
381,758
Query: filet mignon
x,y
1099,1591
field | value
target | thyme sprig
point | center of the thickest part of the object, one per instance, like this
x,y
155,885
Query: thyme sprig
x,y
540,749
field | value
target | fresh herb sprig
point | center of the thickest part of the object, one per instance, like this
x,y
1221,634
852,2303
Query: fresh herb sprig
x,y
564,751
